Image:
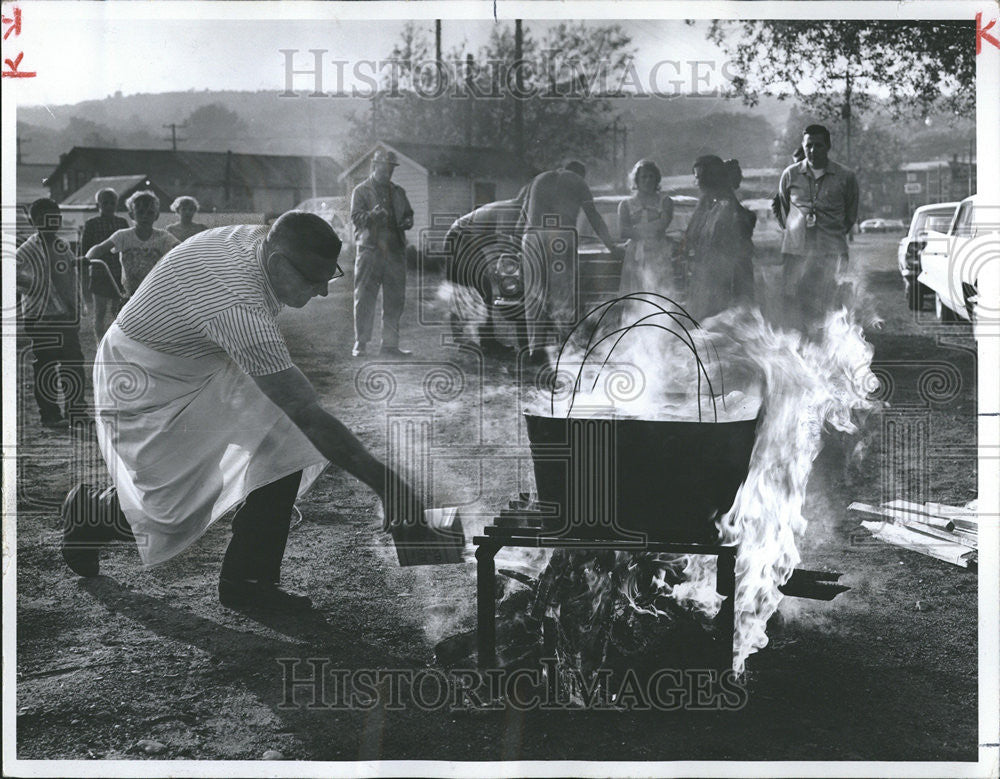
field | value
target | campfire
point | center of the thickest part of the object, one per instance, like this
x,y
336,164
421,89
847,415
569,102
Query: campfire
x,y
671,463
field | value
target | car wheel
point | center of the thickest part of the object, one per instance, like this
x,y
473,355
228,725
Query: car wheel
x,y
944,314
914,295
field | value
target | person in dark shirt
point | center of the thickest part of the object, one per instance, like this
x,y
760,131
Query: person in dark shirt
x,y
718,243
104,281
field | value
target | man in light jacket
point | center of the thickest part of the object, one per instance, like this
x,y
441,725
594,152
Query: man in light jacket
x,y
381,215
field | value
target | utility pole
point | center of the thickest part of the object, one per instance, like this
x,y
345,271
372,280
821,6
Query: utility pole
x,y
519,77
614,149
173,134
846,112
972,140
437,44
624,147
469,110
21,141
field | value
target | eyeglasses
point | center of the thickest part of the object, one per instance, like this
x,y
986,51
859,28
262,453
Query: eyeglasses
x,y
338,273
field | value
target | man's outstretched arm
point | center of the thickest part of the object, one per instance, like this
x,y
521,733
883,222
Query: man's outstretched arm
x,y
292,392
597,222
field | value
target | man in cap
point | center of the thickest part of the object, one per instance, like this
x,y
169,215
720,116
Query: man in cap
x,y
200,410
381,215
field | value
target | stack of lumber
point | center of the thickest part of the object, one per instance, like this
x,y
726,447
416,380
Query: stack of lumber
x,y
949,533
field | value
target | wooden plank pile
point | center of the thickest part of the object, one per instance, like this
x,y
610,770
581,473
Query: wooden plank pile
x,y
949,533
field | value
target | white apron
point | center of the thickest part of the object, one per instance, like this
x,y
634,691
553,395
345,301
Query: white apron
x,y
186,439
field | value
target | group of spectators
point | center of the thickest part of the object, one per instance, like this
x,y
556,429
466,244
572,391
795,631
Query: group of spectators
x,y
709,272
54,284
226,420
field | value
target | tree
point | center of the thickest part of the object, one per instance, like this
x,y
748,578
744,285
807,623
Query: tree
x,y
213,126
836,68
567,78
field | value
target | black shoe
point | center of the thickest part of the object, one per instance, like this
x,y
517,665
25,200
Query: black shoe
x,y
394,351
248,595
80,540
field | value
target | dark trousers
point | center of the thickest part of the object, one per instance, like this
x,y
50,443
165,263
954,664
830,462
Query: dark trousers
x,y
58,368
260,530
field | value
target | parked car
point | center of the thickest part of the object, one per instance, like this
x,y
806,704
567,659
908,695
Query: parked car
x,y
935,217
882,225
767,233
951,263
600,274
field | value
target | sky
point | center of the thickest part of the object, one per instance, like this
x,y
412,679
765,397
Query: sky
x,y
84,51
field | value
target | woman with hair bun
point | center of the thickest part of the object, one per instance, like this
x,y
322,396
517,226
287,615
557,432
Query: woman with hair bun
x,y
643,220
718,245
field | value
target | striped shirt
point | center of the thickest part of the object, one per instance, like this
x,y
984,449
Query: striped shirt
x,y
47,281
211,295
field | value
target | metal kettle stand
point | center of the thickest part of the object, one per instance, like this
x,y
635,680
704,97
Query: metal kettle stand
x,y
528,532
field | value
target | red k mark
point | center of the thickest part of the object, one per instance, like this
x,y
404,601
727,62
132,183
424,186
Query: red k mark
x,y
981,33
14,72
15,24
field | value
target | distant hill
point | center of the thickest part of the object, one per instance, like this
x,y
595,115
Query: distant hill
x,y
278,125
672,131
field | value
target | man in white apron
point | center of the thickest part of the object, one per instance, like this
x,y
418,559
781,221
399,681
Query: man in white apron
x,y
200,409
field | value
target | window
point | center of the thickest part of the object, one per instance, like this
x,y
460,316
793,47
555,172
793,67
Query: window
x,y
963,221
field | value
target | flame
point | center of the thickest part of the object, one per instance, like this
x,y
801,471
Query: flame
x,y
808,384
802,384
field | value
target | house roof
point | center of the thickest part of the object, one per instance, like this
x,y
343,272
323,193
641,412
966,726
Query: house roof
x,y
203,168
84,197
442,160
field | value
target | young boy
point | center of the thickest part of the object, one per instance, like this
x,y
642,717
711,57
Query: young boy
x,y
104,289
47,286
140,247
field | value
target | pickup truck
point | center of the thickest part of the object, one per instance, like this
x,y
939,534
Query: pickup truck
x,y
952,263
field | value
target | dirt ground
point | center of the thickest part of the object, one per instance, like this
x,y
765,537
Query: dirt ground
x,y
136,654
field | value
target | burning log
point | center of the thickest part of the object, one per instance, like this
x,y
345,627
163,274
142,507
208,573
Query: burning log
x,y
910,539
816,585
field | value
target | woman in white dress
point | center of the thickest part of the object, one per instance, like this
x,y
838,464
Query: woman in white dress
x,y
643,220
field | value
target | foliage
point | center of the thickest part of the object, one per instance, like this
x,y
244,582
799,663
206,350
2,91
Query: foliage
x,y
212,126
565,77
835,67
